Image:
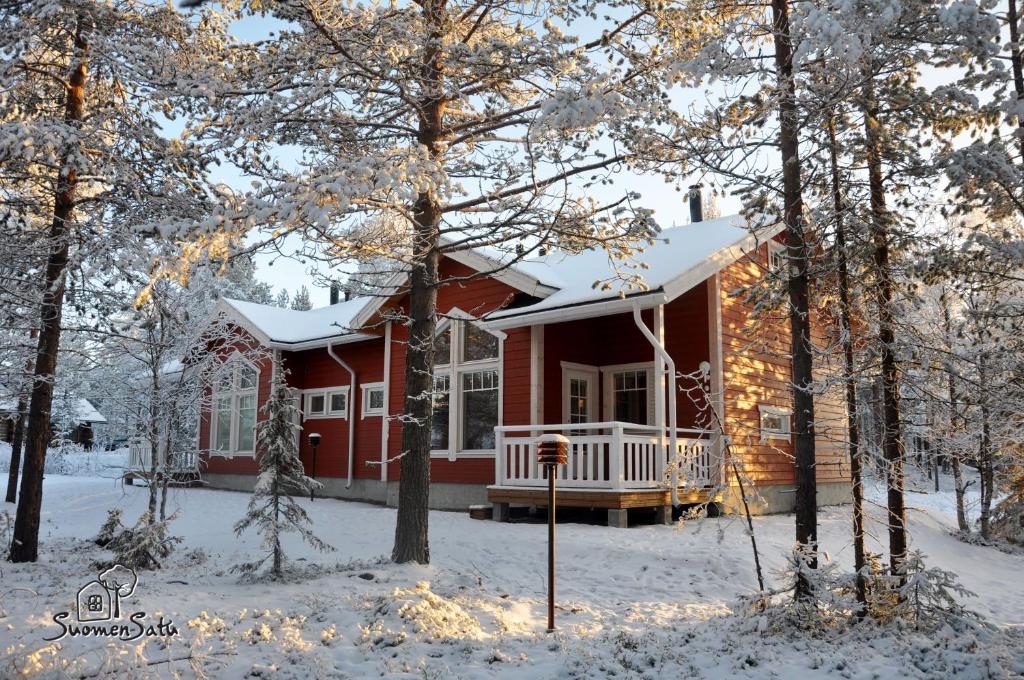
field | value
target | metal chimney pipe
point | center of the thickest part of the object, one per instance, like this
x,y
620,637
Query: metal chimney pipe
x,y
696,204
335,294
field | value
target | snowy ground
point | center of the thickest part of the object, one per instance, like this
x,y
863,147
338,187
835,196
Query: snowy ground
x,y
645,602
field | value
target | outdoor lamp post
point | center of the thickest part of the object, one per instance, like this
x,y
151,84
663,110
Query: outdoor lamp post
x,y
314,441
552,451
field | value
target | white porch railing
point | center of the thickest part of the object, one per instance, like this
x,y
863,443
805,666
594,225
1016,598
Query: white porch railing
x,y
140,457
608,455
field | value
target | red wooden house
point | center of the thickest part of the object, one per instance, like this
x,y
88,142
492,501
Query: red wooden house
x,y
532,349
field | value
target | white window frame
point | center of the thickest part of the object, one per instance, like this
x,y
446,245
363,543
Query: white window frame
x,y
235,393
776,256
366,409
455,368
326,393
770,434
608,388
592,374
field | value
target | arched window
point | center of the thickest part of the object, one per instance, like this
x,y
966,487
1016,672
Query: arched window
x,y
467,389
235,395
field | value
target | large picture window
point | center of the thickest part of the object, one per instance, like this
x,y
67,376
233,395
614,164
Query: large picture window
x,y
467,390
234,408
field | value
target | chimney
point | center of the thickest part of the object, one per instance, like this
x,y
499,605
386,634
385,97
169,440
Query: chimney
x,y
696,206
348,294
335,293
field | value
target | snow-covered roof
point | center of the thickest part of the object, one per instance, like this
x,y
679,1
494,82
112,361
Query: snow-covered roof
x,y
292,328
681,258
85,412
678,260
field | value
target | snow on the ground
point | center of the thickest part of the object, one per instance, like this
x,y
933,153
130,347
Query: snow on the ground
x,y
646,602
72,459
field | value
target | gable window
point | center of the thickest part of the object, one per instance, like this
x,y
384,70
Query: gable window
x,y
467,389
234,408
775,423
776,256
373,399
325,402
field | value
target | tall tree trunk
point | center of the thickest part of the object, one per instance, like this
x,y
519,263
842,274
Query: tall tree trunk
x,y
25,543
20,424
892,441
16,444
799,303
411,527
1016,65
952,455
852,425
985,462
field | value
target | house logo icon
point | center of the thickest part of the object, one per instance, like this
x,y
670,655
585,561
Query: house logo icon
x,y
98,610
100,600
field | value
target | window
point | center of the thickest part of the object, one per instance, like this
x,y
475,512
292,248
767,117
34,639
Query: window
x,y
630,396
477,344
775,423
326,402
234,408
467,389
439,425
373,399
579,393
776,256
479,409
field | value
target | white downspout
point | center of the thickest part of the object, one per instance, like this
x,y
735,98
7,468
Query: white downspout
x,y
673,437
384,424
351,411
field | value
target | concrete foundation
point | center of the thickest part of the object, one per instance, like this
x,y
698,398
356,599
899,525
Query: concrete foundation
x,y
663,514
442,496
618,518
779,498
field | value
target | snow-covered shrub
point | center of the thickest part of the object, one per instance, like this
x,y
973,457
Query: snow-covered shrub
x,y
111,527
931,596
144,545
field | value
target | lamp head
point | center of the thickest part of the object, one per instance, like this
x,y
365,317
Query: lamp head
x,y
314,438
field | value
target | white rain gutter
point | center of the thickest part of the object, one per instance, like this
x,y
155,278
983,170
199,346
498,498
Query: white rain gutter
x,y
673,437
351,411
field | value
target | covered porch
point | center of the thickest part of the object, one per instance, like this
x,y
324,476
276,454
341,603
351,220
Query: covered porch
x,y
610,384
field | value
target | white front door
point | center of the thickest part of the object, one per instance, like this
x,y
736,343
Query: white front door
x,y
579,393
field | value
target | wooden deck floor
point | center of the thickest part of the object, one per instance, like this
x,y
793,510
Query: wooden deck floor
x,y
612,500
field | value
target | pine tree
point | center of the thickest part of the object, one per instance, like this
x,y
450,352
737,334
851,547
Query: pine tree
x,y
283,300
302,301
272,509
493,128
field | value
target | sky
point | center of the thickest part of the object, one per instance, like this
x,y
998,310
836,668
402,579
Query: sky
x,y
669,205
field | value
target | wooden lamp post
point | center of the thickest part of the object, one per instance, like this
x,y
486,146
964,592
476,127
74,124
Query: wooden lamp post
x,y
314,441
552,451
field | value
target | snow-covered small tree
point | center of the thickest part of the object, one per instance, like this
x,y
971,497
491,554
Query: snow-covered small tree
x,y
272,509
301,300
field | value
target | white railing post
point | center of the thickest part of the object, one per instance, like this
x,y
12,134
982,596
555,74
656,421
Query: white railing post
x,y
499,456
615,458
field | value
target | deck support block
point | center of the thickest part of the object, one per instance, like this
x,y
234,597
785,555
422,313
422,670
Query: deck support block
x,y
500,513
663,514
618,518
